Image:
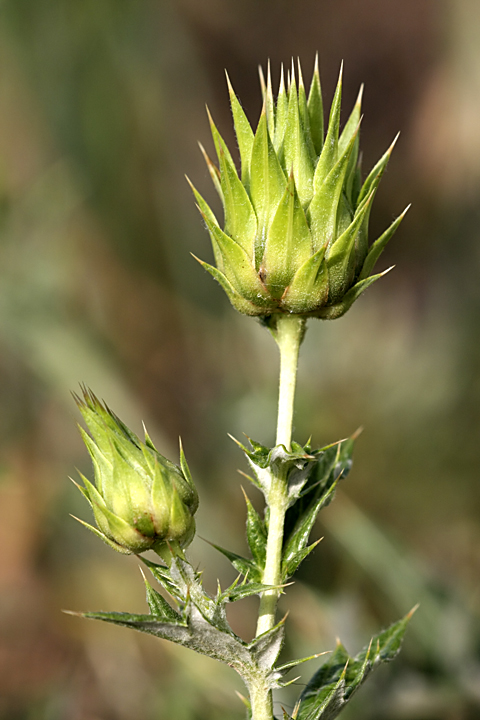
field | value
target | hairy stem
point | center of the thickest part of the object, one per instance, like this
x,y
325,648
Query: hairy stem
x,y
261,700
288,334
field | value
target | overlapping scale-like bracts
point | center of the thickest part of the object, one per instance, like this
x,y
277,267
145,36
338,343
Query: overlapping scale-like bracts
x,y
295,232
141,501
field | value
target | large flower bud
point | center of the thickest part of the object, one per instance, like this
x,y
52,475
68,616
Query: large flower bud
x,y
295,237
140,500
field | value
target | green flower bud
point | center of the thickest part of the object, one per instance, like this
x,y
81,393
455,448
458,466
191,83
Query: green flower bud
x,y
140,500
295,236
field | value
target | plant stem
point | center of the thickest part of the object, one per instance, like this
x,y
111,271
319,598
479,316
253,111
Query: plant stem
x,y
261,700
288,335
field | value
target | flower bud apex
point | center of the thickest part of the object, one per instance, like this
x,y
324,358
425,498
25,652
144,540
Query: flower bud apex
x,y
295,236
141,501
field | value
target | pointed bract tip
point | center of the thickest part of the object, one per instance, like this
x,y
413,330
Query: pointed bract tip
x,y
360,95
316,65
281,85
210,119
413,610
202,262
269,74
244,700
229,84
75,613
390,149
292,74
357,432
262,79
300,76
387,270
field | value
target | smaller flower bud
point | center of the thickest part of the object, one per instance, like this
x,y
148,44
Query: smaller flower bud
x,y
141,501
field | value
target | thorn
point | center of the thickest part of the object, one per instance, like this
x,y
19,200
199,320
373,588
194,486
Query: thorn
x,y
281,87
229,84
413,610
300,76
269,76
262,80
360,95
387,270
202,263
390,149
236,441
357,432
245,475
243,699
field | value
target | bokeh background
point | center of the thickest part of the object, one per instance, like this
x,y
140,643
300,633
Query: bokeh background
x,y
101,107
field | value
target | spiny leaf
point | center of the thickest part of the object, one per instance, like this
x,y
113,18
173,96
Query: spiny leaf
x,y
246,589
159,607
334,684
162,575
294,560
241,564
256,535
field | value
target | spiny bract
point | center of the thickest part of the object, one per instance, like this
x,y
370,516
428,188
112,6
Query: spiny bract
x,y
295,236
141,500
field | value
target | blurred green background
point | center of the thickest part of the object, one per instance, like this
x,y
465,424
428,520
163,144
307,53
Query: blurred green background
x,y
102,103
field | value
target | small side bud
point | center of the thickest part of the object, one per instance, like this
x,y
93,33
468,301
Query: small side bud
x,y
141,501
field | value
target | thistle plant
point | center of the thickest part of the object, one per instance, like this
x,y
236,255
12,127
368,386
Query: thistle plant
x,y
294,245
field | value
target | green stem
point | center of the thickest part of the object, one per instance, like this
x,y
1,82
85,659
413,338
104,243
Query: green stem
x,y
288,334
261,700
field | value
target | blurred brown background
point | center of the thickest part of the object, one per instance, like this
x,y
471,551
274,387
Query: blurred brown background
x,y
102,102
